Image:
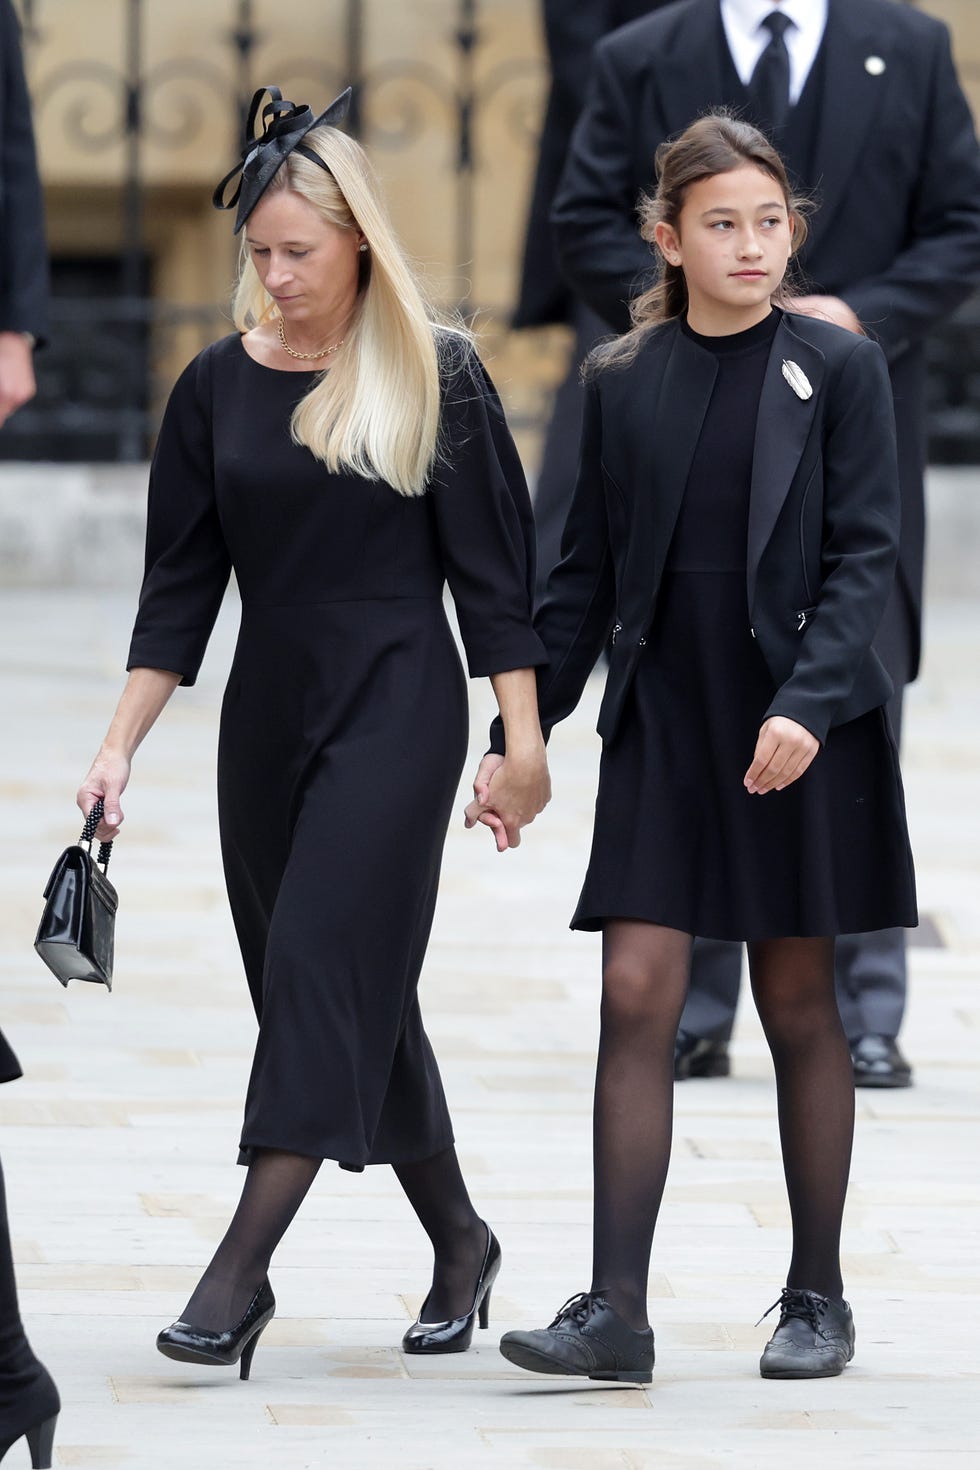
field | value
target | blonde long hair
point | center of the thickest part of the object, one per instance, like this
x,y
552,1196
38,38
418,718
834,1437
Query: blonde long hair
x,y
717,143
376,412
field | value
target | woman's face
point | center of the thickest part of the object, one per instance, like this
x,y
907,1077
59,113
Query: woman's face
x,y
733,241
308,265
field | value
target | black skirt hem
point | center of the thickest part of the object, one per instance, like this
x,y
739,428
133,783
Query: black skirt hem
x,y
594,923
353,1160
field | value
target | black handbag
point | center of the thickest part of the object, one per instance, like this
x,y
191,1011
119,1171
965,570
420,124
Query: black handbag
x,y
75,937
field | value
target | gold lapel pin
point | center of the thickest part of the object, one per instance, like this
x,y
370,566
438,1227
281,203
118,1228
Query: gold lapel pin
x,y
874,66
797,379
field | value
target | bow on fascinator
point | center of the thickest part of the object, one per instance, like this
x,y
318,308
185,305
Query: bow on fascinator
x,y
284,126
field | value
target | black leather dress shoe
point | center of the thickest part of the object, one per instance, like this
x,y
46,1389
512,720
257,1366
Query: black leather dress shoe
x,y
879,1063
587,1339
699,1056
814,1339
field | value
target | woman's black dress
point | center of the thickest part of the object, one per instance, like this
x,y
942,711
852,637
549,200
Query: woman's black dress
x,y
344,724
678,840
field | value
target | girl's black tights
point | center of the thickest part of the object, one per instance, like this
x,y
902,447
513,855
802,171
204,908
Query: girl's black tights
x,y
793,985
276,1185
645,976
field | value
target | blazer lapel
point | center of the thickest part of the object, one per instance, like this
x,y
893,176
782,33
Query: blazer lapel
x,y
853,96
663,461
782,429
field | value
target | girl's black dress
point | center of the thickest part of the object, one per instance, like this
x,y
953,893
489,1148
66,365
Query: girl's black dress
x,y
344,723
678,840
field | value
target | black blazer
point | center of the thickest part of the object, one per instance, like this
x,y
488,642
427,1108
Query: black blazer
x,y
823,523
23,253
896,174
571,31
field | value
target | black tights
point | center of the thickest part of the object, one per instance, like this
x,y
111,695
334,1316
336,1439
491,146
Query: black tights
x,y
275,1187
644,985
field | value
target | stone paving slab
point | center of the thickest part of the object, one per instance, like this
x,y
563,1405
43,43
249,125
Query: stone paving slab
x,y
119,1144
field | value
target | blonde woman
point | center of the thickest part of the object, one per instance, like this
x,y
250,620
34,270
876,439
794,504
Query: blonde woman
x,y
346,454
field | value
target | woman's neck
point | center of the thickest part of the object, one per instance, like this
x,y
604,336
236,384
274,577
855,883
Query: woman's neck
x,y
316,335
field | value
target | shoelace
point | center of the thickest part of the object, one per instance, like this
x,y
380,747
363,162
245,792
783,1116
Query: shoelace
x,y
577,1309
803,1304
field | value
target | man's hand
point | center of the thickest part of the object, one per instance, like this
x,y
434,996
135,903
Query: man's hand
x,y
828,308
17,385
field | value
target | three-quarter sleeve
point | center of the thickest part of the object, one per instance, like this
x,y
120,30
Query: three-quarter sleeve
x,y
187,562
485,525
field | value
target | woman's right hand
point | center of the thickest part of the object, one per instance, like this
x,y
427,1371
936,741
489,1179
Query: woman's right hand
x,y
108,778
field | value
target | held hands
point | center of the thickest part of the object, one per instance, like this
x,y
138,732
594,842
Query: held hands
x,y
509,792
107,778
783,752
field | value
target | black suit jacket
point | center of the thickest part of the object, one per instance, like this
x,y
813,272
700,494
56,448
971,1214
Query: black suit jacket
x,y
896,176
23,254
823,523
571,32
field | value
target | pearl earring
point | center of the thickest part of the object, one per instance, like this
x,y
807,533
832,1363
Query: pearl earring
x,y
363,246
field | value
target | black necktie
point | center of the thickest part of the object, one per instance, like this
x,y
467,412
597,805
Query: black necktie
x,y
769,84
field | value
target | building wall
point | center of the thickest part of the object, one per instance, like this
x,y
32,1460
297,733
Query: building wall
x,y
77,57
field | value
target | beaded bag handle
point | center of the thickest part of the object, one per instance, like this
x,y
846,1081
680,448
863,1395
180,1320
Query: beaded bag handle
x,y
88,833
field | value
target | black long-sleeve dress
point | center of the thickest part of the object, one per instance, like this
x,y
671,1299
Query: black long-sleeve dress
x,y
344,723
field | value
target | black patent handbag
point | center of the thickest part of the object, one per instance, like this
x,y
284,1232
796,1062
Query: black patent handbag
x,y
76,935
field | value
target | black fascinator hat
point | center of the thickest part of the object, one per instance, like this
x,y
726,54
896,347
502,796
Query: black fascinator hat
x,y
284,126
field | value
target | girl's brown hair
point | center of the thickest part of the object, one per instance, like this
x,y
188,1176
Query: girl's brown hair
x,y
717,143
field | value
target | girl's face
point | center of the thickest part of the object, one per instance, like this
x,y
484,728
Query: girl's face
x,y
733,240
308,265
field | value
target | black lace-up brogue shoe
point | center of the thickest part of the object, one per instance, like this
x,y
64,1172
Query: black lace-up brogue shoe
x,y
587,1339
814,1339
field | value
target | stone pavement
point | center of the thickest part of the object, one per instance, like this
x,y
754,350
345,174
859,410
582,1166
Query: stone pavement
x,y
119,1144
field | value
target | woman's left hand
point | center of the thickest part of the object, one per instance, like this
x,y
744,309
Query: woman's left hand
x,y
783,752
510,791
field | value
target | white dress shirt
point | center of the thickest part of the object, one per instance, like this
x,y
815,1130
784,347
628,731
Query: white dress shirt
x,y
747,37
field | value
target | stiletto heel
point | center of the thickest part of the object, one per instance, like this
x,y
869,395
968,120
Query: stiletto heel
x,y
456,1335
248,1352
40,1442
190,1344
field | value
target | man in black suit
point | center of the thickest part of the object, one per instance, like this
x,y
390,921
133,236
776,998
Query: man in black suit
x,y
545,297
862,99
23,255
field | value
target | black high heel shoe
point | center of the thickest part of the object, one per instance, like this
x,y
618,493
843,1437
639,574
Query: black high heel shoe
x,y
200,1345
40,1442
456,1335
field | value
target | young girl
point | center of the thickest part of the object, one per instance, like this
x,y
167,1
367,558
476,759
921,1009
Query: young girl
x,y
733,536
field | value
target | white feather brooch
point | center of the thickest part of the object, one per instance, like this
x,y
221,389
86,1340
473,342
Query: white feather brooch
x,y
797,379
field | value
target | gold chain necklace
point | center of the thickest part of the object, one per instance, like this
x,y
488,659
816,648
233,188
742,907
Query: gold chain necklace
x,y
306,356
